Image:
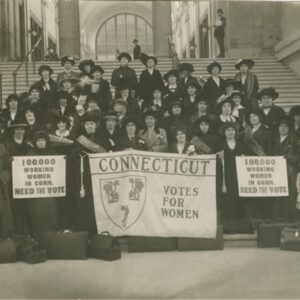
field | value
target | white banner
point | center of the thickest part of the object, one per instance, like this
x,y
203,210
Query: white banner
x,y
154,194
39,176
262,176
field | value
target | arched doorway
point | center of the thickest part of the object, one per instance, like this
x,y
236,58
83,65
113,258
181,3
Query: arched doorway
x,y
118,32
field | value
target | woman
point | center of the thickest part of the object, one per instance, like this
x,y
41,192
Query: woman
x,y
294,116
13,109
238,111
130,139
232,207
181,145
248,82
39,105
86,66
43,212
111,132
172,91
214,86
205,142
155,137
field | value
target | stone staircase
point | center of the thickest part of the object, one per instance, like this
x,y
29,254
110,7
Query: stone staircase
x,y
269,70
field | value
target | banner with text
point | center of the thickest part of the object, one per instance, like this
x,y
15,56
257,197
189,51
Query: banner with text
x,y
39,176
262,176
154,194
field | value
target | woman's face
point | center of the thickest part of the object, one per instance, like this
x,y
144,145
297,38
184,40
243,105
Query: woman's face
x,y
204,127
130,128
62,101
41,143
150,121
67,84
79,109
68,66
29,115
237,100
230,133
215,71
244,68
229,89
226,109
267,101
176,110
19,132
150,63
61,126
181,136
111,124
87,68
124,61
283,129
93,105
254,119
120,109
35,94
90,127
97,75
172,79
191,90
202,106
157,94
45,74
125,93
13,104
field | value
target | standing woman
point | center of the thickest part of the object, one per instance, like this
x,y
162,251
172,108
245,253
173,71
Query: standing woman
x,y
214,86
232,207
155,137
86,67
172,90
43,212
13,108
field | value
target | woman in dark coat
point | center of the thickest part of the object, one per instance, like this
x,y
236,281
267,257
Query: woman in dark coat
x,y
181,144
43,212
13,109
86,66
185,70
294,116
172,91
111,132
214,86
232,207
42,112
150,78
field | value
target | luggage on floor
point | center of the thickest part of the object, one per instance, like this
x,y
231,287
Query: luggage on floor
x,y
151,244
104,246
7,251
30,251
65,245
290,238
199,244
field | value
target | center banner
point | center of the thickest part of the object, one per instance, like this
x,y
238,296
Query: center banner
x,y
154,194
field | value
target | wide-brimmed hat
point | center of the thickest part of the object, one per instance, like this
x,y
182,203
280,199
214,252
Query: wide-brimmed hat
x,y
63,119
68,58
20,122
294,111
144,59
124,54
175,102
89,116
150,111
86,62
213,64
249,62
73,81
41,134
254,111
172,72
236,93
270,91
11,97
227,125
220,104
202,99
45,67
97,68
110,115
186,67
236,84
121,102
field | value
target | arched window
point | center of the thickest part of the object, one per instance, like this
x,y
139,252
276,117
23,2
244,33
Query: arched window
x,y
119,31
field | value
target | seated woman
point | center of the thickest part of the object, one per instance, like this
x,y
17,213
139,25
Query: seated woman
x,y
130,139
232,208
13,108
205,142
92,106
230,85
155,137
238,110
182,144
159,103
43,213
111,131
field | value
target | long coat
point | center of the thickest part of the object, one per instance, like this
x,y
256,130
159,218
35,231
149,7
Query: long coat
x,y
49,95
147,83
7,115
211,91
126,73
111,140
103,95
185,82
156,141
275,114
125,143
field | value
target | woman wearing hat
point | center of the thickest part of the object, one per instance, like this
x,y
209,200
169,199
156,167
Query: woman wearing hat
x,y
120,106
13,108
150,78
155,137
130,138
214,86
186,79
190,100
205,142
69,85
42,112
100,88
271,113
86,66
47,86
248,81
294,115
286,144
43,212
230,85
67,62
172,91
232,207
111,131
124,72
238,111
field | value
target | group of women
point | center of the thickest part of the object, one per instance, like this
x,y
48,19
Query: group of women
x,y
77,114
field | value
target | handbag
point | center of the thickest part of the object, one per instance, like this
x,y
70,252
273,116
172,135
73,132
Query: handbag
x,y
151,244
268,233
201,244
290,238
7,251
65,245
104,246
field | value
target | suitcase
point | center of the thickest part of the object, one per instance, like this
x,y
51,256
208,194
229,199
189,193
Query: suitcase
x,y
290,238
202,244
268,234
105,247
29,251
8,252
65,245
151,244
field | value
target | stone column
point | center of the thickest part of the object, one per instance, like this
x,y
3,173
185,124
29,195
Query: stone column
x,y
69,28
162,27
4,41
